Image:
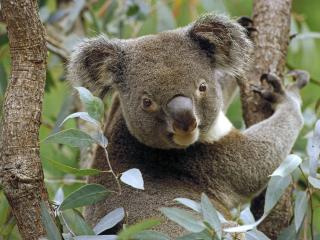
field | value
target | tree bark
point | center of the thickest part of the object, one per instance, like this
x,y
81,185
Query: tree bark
x,y
271,19
20,166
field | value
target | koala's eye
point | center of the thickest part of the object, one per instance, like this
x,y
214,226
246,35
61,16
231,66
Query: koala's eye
x,y
148,104
203,87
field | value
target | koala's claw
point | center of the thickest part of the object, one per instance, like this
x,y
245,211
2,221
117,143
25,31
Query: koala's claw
x,y
274,81
301,78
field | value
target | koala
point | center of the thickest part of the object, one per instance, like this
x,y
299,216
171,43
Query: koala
x,y
167,118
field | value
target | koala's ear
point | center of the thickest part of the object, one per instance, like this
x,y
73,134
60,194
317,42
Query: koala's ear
x,y
225,42
94,64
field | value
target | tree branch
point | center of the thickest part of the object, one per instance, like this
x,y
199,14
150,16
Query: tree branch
x,y
271,18
20,166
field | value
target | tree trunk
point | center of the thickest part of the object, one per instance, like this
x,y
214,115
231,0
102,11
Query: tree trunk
x,y
271,18
20,166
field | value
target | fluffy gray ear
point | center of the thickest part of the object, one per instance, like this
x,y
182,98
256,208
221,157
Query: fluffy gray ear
x,y
225,42
94,64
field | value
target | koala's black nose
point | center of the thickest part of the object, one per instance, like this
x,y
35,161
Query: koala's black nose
x,y
180,109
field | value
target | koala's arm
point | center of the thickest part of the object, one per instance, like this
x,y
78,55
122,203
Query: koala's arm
x,y
270,141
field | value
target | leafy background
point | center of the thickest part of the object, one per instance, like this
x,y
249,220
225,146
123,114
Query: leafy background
x,y
68,22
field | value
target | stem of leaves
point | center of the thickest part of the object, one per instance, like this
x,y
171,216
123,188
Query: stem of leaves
x,y
111,170
309,192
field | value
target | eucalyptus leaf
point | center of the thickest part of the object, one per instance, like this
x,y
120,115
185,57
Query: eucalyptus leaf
x,y
85,195
133,177
210,214
314,182
256,235
74,171
184,219
72,137
190,204
51,228
109,221
100,237
245,228
204,235
131,231
287,166
59,196
300,208
288,233
93,105
75,222
246,216
150,235
313,150
307,35
100,139
276,187
84,116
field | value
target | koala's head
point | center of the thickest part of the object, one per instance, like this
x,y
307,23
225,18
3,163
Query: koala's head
x,y
166,83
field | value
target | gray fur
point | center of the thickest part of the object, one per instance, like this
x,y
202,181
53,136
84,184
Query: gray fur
x,y
231,169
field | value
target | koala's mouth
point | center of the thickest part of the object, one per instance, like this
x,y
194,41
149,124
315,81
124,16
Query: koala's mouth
x,y
185,140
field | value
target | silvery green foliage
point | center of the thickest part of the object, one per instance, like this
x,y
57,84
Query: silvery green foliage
x,y
279,181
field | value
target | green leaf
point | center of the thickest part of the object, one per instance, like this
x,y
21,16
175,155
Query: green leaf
x,y
150,235
74,222
59,196
288,233
246,216
100,237
184,219
276,187
256,235
190,204
245,228
313,150
93,105
210,214
4,79
287,166
72,137
100,139
84,116
74,171
307,35
130,231
85,195
204,235
133,177
314,182
52,230
109,221
300,208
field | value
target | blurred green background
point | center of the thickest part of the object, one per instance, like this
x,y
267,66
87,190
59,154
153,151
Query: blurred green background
x,y
67,22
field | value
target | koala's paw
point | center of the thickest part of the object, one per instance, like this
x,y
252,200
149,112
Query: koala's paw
x,y
247,23
273,91
271,88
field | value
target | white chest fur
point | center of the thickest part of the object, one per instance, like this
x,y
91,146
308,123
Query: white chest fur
x,y
220,128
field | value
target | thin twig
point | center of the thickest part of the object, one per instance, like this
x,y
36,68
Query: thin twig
x,y
309,192
312,213
111,170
